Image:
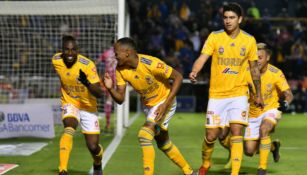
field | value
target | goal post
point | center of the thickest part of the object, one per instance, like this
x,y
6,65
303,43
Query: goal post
x,y
30,33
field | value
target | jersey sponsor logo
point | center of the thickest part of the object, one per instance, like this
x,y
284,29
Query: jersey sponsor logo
x,y
148,79
160,66
84,61
57,57
166,69
243,51
94,69
243,114
232,44
229,61
229,71
146,61
273,69
221,50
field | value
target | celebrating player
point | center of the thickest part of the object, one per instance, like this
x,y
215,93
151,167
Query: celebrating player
x,y
232,50
80,85
149,76
262,122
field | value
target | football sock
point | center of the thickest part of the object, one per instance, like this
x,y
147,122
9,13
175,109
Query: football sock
x,y
207,151
145,137
98,157
226,142
174,154
66,143
265,147
236,154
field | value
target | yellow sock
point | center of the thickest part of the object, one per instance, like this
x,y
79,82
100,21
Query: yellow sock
x,y
97,158
207,151
145,138
236,154
264,150
66,143
226,142
174,154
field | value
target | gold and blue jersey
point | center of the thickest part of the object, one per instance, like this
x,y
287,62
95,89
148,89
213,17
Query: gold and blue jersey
x,y
73,91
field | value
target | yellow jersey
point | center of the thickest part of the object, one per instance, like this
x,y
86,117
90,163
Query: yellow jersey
x,y
73,91
230,58
149,79
273,82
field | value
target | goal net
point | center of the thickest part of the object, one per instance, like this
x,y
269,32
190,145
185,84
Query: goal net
x,y
31,32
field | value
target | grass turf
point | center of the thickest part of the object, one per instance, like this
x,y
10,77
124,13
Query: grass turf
x,y
187,131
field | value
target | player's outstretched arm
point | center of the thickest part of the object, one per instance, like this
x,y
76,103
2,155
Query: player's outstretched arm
x,y
94,88
197,66
255,72
117,94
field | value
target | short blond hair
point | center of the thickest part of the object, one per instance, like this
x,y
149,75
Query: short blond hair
x,y
263,46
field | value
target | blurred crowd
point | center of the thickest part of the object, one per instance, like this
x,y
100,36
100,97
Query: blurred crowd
x,y
175,31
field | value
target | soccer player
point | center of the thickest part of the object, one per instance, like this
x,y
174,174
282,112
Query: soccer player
x,y
150,77
108,57
80,85
232,51
262,122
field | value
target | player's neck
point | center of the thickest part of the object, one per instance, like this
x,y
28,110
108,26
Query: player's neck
x,y
264,69
233,34
134,62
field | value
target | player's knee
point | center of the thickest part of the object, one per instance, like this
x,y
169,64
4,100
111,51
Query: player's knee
x,y
210,138
264,131
249,152
93,148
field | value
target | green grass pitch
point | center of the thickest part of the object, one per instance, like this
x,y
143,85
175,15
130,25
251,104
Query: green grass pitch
x,y
186,131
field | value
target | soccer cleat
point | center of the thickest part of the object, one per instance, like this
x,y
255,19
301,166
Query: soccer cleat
x,y
261,171
97,170
63,173
202,171
275,152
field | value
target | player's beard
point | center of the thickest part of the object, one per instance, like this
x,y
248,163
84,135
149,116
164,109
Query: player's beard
x,y
69,60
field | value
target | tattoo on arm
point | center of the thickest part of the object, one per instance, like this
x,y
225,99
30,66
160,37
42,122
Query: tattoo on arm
x,y
288,95
256,76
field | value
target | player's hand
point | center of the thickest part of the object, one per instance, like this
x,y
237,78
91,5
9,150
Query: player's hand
x,y
259,102
193,76
107,80
283,106
83,79
160,112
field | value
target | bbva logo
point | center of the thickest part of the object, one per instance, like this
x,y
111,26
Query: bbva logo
x,y
18,117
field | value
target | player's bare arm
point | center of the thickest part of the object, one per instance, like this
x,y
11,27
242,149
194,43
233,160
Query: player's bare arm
x,y
197,66
94,88
255,72
117,94
177,80
288,97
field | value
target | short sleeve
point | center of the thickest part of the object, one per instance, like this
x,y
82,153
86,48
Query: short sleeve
x,y
161,69
119,78
208,47
282,83
252,54
92,74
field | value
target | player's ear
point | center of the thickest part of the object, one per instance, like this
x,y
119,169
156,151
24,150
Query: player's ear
x,y
240,19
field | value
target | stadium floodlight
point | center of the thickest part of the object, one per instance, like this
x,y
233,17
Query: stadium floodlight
x,y
31,31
